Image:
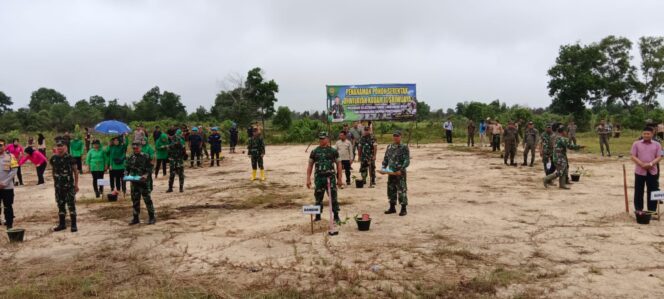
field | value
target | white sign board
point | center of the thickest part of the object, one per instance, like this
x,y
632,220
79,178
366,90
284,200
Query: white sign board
x,y
103,182
311,210
656,195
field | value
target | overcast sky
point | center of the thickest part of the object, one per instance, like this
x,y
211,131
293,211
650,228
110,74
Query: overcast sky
x,y
453,50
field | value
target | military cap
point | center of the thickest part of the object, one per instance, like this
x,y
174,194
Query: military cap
x,y
322,135
136,144
396,133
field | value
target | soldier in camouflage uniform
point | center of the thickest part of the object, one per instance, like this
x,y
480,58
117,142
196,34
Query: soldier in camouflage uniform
x,y
325,158
397,159
529,143
511,140
256,150
560,159
140,164
65,179
176,161
546,150
367,150
604,133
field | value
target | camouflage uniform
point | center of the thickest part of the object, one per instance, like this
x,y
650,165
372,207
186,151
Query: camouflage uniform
x,y
140,165
511,139
367,158
397,158
604,134
176,162
547,152
63,178
324,160
530,141
256,149
560,156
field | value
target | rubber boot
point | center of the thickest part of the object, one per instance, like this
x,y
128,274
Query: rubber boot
x,y
152,219
61,225
561,183
318,215
403,212
392,209
262,174
74,228
253,175
181,187
336,217
548,179
134,220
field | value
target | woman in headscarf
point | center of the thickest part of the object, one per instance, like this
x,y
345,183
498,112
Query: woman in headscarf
x,y
97,161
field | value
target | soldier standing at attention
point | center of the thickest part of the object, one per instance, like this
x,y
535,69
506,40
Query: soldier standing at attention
x,y
571,131
560,159
65,180
215,146
140,164
397,159
326,160
511,139
176,162
367,149
471,133
256,151
529,143
604,133
545,150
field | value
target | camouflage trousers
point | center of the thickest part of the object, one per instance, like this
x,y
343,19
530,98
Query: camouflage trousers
x,y
321,188
510,151
397,189
176,170
256,162
370,167
139,190
562,167
65,198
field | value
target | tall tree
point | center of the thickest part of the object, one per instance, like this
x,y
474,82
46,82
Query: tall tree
x,y
84,114
5,103
147,109
423,110
43,98
618,74
232,105
97,102
652,68
171,106
283,118
118,112
261,93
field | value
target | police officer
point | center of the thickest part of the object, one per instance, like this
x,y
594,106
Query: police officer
x,y
328,169
140,164
397,159
65,180
529,143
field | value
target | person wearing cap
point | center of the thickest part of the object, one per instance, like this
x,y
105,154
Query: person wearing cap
x,y
397,159
8,169
511,140
448,127
345,149
97,161
140,164
161,146
328,169
195,147
560,159
38,159
546,150
471,133
256,151
233,136
482,128
176,161
529,143
646,154
367,150
571,132
604,133
215,146
65,181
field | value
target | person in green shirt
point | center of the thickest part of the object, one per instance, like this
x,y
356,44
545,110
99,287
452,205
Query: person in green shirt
x,y
97,161
117,153
161,146
76,151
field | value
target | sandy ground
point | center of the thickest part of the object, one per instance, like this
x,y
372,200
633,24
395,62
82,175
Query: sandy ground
x,y
474,228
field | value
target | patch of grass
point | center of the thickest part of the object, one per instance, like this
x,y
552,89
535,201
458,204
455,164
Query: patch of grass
x,y
450,253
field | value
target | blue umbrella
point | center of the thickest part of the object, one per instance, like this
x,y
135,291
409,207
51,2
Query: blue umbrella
x,y
112,127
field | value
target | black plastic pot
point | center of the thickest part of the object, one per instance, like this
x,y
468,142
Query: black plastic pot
x,y
575,177
359,183
112,197
15,234
363,225
643,218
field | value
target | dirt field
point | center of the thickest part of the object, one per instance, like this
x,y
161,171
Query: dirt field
x,y
475,229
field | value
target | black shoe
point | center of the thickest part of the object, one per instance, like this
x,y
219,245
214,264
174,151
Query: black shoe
x,y
524,164
391,210
181,188
9,225
317,217
74,228
61,225
170,189
336,218
152,220
134,221
531,164
403,211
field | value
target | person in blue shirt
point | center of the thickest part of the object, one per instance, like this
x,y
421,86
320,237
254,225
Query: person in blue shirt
x,y
215,146
482,132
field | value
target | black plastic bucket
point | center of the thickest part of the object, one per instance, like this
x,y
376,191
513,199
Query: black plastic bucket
x,y
363,225
359,183
643,217
15,234
112,197
575,177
